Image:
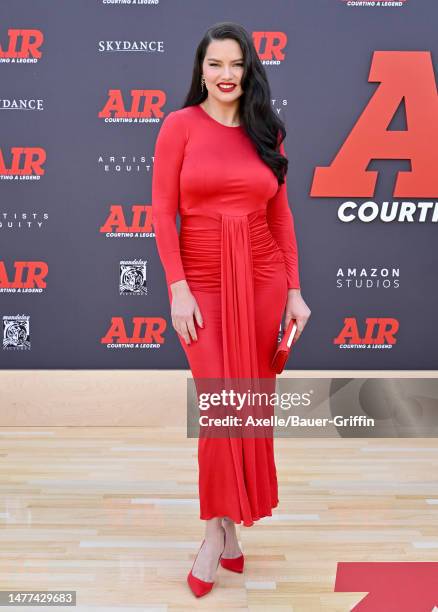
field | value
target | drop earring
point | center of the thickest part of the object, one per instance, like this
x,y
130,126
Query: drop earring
x,y
202,83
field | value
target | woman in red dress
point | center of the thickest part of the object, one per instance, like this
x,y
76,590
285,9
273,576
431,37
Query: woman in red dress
x,y
232,271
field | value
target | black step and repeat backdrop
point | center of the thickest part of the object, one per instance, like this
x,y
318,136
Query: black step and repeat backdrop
x,y
85,87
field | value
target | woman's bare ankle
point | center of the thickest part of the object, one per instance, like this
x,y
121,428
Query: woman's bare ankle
x,y
232,548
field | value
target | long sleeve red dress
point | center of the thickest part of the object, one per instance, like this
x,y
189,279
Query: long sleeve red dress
x,y
237,250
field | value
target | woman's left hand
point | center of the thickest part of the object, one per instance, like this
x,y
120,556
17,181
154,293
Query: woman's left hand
x,y
296,308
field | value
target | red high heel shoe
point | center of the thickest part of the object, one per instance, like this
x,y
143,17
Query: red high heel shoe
x,y
235,564
201,587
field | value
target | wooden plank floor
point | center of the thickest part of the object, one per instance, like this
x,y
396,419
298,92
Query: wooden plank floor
x,y
113,514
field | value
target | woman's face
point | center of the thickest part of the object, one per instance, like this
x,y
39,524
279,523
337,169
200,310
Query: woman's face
x,y
223,63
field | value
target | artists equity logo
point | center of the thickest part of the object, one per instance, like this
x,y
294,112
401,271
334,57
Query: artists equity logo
x,y
22,220
21,47
27,277
124,163
147,333
135,222
378,333
138,106
26,164
406,78
270,46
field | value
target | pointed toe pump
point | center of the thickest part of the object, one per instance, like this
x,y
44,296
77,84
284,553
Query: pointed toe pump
x,y
234,565
201,587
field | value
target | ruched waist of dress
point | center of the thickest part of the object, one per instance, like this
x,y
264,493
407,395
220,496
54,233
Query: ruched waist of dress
x,y
202,247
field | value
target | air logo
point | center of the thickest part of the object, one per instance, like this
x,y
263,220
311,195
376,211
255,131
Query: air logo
x,y
25,162
138,221
404,77
379,332
26,275
147,332
22,44
270,46
139,104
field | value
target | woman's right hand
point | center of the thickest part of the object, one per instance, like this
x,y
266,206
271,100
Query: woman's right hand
x,y
185,311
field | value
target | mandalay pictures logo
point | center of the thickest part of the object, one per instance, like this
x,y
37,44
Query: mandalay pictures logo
x,y
16,334
132,277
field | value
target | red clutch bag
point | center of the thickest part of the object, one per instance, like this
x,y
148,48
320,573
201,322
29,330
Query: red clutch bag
x,y
284,348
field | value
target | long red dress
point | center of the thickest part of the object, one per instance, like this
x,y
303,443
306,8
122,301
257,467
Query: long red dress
x,y
237,251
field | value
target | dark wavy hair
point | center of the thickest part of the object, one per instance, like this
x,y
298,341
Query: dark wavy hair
x,y
261,123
